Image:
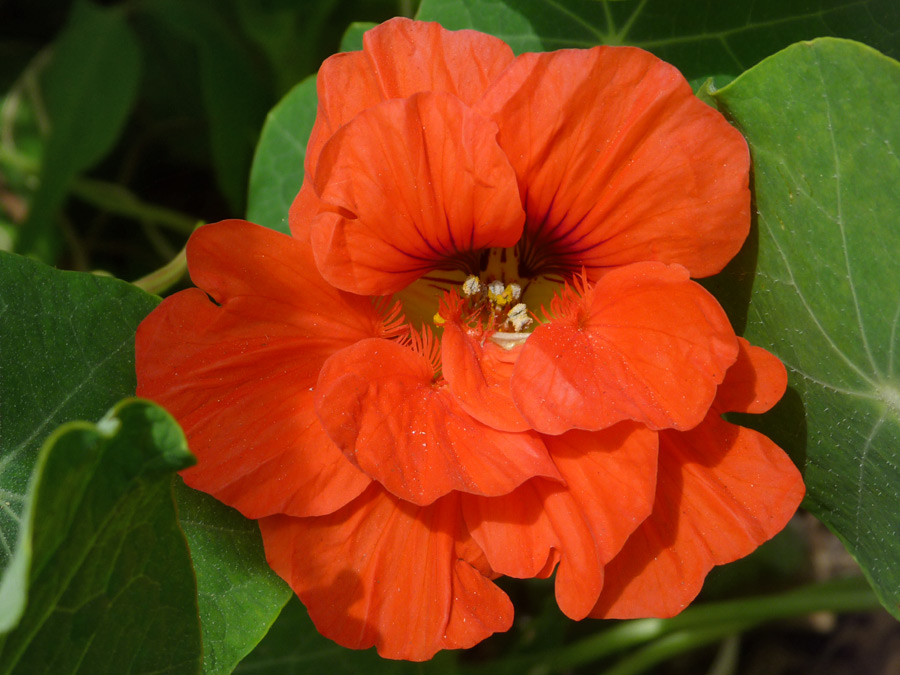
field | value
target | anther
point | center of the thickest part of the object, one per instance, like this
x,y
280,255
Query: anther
x,y
518,317
471,285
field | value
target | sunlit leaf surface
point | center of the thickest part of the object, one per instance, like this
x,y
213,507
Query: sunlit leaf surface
x,y
110,584
821,120
239,595
67,354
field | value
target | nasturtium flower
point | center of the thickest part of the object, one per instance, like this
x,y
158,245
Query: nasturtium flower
x,y
482,352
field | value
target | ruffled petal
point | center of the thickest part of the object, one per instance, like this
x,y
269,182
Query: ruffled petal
x,y
619,162
515,531
645,343
610,479
379,404
401,57
408,186
722,491
478,375
302,211
238,375
386,573
755,382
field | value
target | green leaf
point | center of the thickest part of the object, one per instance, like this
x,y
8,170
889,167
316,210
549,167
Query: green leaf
x,y
110,584
239,595
277,171
821,120
294,646
353,36
89,89
699,38
68,354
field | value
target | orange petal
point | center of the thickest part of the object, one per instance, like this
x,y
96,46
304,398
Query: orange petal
x,y
386,573
618,162
755,382
236,259
514,531
722,491
478,375
610,479
302,211
238,376
377,401
645,343
400,58
408,186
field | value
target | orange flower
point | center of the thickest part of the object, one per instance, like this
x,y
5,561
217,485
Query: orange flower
x,y
401,452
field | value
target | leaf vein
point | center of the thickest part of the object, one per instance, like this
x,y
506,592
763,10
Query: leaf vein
x,y
14,453
578,19
839,217
862,467
815,320
893,342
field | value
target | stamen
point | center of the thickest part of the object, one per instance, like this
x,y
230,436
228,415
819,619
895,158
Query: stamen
x,y
425,344
393,323
570,303
487,310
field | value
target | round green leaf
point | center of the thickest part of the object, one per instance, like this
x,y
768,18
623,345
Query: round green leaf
x,y
699,38
110,584
277,171
68,354
821,121
239,594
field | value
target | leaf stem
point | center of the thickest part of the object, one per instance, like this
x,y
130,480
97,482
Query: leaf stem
x,y
121,201
161,280
109,197
841,595
696,626
674,644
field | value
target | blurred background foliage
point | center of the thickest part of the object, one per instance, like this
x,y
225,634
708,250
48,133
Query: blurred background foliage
x,y
124,124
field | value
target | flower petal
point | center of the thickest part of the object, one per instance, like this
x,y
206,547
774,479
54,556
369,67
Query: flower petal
x,y
722,491
401,57
238,375
619,162
478,375
377,401
386,573
755,382
408,186
644,343
610,478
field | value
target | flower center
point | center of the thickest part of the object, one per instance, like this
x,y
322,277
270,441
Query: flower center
x,y
491,308
491,298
